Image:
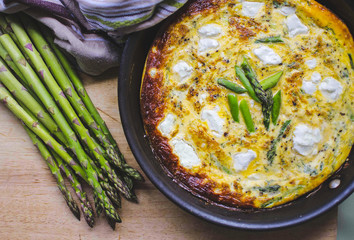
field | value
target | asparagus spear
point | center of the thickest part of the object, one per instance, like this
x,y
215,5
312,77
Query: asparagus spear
x,y
52,108
42,133
65,105
92,109
76,185
271,153
6,57
98,205
21,93
246,83
64,82
55,172
266,97
5,26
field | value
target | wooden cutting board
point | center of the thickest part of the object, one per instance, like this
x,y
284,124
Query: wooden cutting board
x,y
31,206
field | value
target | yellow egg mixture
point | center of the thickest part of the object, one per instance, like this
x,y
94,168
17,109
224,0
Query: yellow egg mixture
x,y
201,144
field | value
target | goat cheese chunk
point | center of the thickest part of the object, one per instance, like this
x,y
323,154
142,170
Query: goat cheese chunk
x,y
186,153
267,55
215,122
167,125
316,77
295,26
243,159
331,88
305,139
207,44
183,69
209,30
310,87
311,64
251,9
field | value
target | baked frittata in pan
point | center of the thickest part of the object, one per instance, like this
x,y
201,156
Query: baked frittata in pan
x,y
250,103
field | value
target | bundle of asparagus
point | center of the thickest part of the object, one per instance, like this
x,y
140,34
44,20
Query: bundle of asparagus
x,y
40,87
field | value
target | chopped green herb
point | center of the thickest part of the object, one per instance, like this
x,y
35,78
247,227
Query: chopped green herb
x,y
270,188
276,39
276,4
351,60
277,199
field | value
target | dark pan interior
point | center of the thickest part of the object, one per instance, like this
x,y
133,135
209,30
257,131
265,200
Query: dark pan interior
x,y
298,211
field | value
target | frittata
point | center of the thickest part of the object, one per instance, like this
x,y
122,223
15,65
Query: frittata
x,y
250,103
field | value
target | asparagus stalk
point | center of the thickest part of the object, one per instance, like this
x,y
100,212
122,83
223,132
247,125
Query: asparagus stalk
x,y
22,94
53,109
271,153
266,97
55,172
246,83
5,26
64,82
65,105
76,185
6,57
98,205
92,109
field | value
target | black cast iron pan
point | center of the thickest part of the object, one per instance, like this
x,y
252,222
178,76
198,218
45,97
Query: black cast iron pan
x,y
296,212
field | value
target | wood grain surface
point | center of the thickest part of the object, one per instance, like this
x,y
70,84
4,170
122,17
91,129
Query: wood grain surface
x,y
31,206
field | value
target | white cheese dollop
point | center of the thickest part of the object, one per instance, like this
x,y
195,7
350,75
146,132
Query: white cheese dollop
x,y
311,64
183,69
311,86
186,154
207,44
209,30
167,125
242,160
316,77
251,9
286,11
331,88
295,26
215,122
305,139
202,97
267,55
